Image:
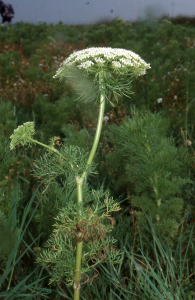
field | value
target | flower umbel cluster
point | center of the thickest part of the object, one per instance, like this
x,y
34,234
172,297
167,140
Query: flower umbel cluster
x,y
116,66
94,59
22,135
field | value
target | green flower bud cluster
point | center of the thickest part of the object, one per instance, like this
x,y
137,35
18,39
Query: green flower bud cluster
x,y
22,135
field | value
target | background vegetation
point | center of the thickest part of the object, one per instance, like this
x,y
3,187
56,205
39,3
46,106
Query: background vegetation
x,y
145,158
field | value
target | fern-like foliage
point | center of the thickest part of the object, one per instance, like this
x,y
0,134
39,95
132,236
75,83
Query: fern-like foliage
x,y
7,122
76,223
79,138
68,158
152,169
6,157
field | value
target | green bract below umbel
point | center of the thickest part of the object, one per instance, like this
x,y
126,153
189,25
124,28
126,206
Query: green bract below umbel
x,y
93,60
117,67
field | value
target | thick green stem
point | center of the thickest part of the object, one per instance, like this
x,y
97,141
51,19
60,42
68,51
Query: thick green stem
x,y
77,284
79,189
80,180
98,129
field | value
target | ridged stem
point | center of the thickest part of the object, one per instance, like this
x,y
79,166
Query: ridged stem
x,y
80,180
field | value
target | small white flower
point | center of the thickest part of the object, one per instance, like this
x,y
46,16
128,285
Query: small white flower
x,y
189,143
85,65
127,62
159,100
116,64
106,118
99,60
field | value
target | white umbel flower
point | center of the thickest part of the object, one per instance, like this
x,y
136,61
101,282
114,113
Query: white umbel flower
x,y
94,59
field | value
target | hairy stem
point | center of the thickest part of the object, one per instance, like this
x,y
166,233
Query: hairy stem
x,y
80,180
